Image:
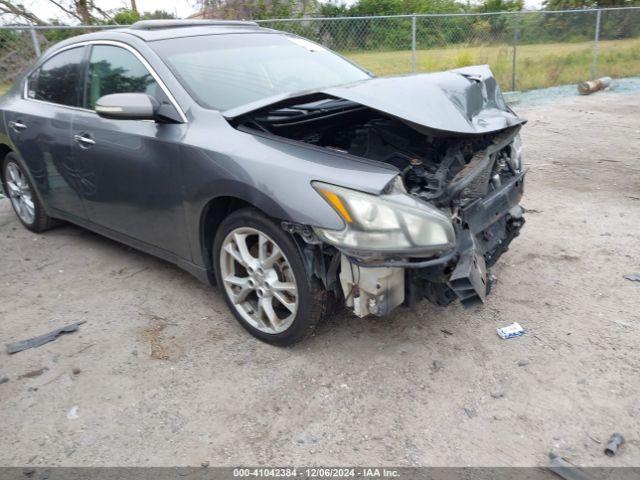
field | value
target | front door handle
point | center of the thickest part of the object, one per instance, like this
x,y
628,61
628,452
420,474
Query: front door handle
x,y
17,126
84,140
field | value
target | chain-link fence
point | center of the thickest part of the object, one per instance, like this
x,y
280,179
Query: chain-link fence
x,y
529,49
21,45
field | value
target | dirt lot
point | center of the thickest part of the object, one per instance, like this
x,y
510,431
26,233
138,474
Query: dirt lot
x,y
167,377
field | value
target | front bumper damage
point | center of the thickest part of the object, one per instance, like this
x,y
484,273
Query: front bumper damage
x,y
484,230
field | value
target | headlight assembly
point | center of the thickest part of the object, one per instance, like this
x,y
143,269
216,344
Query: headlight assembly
x,y
386,224
515,154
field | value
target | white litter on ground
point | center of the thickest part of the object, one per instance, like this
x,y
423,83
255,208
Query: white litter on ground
x,y
73,413
510,331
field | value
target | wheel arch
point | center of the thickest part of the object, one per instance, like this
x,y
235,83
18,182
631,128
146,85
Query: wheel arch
x,y
4,151
219,208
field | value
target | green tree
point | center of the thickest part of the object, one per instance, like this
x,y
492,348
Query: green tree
x,y
127,17
334,9
499,6
573,4
405,7
256,9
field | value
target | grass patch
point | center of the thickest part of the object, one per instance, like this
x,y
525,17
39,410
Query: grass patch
x,y
537,66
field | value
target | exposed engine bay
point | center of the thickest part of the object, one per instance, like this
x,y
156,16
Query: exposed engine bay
x,y
476,179
432,165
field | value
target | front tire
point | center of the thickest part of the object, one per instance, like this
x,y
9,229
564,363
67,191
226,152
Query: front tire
x,y
23,197
263,279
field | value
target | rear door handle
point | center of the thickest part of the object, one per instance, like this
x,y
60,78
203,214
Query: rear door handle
x,y
84,140
17,126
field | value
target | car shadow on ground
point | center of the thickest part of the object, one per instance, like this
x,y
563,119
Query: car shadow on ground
x,y
342,324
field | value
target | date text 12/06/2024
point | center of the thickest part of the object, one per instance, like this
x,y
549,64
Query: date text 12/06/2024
x,y
316,473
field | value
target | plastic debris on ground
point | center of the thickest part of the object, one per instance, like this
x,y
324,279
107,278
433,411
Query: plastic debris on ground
x,y
34,373
541,96
513,97
615,442
566,470
634,277
34,342
591,86
511,331
73,413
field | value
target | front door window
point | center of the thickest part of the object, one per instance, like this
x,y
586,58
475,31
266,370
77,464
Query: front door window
x,y
116,70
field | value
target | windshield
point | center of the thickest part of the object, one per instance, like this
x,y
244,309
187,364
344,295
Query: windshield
x,y
227,71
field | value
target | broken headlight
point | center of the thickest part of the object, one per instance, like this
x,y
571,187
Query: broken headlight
x,y
385,224
515,154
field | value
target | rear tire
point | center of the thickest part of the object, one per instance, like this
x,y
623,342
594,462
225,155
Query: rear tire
x,y
23,197
266,284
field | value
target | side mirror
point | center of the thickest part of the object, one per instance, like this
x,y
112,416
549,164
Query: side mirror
x,y
128,106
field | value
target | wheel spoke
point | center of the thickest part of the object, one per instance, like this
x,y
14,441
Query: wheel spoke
x,y
284,286
22,180
241,242
266,306
241,295
231,250
29,206
263,242
273,258
238,281
13,173
14,190
17,204
289,305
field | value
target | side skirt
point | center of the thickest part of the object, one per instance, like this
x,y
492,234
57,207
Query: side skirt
x,y
201,273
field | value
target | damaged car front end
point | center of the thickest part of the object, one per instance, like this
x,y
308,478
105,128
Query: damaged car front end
x,y
450,212
269,166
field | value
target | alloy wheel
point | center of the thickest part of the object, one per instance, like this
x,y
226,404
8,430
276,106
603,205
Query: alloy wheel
x,y
259,280
20,193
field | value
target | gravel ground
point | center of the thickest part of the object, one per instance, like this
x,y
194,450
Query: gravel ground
x,y
166,376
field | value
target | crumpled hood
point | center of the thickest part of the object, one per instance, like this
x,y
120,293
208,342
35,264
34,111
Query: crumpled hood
x,y
463,101
467,100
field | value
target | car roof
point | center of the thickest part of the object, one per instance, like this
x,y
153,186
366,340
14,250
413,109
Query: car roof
x,y
151,30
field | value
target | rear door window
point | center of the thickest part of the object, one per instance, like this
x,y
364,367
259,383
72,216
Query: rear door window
x,y
59,79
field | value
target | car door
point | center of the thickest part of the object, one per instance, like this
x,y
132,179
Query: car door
x,y
134,163
39,125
